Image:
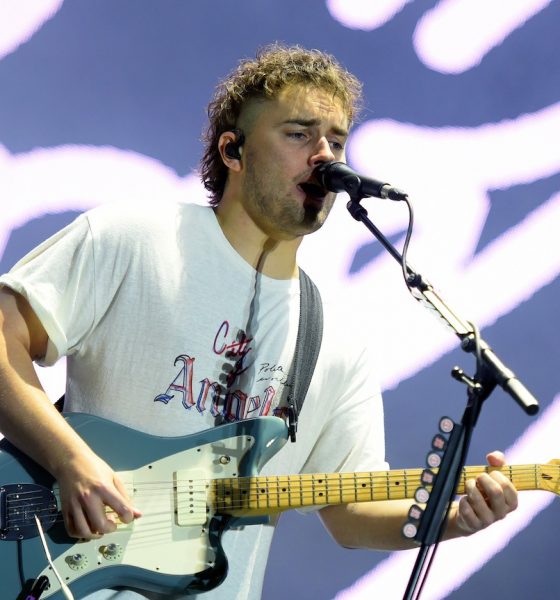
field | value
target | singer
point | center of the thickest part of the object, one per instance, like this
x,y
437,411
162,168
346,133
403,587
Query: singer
x,y
177,319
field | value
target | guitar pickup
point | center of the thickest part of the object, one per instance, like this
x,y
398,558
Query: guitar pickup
x,y
191,489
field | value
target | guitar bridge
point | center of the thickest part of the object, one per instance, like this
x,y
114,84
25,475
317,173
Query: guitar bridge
x,y
19,503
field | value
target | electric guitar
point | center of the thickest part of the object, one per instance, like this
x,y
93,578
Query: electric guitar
x,y
190,490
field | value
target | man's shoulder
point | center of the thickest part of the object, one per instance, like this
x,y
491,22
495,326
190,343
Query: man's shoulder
x,y
146,218
343,333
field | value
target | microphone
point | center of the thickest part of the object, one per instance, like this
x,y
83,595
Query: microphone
x,y
339,177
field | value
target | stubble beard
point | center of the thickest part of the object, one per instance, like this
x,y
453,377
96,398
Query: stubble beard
x,y
276,211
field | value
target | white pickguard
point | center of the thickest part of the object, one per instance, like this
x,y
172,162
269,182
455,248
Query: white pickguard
x,y
171,537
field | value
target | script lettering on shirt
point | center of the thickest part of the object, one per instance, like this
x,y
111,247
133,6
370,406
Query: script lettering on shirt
x,y
272,372
235,352
181,384
237,347
233,405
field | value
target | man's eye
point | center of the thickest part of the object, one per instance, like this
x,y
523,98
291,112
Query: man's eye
x,y
337,145
297,135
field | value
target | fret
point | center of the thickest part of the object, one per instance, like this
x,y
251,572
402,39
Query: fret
x,y
220,501
319,489
333,488
398,491
339,484
277,485
230,492
405,478
263,492
307,490
256,493
284,494
347,488
363,488
244,496
536,477
387,485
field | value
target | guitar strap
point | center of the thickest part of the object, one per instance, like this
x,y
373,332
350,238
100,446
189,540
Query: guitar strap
x,y
308,344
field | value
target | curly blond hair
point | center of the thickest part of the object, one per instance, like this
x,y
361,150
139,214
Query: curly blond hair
x,y
274,68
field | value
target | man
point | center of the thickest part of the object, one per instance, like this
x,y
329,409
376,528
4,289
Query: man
x,y
179,318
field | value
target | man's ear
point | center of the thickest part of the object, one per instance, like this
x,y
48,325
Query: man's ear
x,y
230,147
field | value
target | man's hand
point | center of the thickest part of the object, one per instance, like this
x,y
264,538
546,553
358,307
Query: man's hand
x,y
488,498
88,488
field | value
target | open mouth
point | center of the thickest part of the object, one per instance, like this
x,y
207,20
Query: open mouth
x,y
313,190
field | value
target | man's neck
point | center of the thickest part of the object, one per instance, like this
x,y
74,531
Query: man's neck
x,y
273,258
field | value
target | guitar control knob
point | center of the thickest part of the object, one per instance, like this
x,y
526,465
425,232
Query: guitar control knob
x,y
77,561
111,551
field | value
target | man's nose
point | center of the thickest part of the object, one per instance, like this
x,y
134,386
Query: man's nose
x,y
322,153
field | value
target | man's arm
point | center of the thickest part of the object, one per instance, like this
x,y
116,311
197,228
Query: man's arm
x,y
31,422
378,525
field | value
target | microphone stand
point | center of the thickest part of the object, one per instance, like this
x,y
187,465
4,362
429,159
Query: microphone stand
x,y
490,371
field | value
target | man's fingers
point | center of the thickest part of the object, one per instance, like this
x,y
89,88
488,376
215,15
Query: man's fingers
x,y
493,496
488,498
78,525
496,459
478,497
94,499
127,513
468,521
507,491
97,512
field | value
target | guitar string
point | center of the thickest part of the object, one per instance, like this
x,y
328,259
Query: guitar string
x,y
316,477
221,509
407,477
299,481
251,488
303,488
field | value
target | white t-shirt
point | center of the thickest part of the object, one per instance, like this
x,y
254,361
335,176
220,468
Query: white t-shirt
x,y
167,329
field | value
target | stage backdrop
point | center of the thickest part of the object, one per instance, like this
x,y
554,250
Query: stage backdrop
x,y
104,100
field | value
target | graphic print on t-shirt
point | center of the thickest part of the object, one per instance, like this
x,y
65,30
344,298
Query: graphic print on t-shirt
x,y
230,396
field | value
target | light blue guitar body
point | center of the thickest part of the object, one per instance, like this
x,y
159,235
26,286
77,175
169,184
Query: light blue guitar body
x,y
173,548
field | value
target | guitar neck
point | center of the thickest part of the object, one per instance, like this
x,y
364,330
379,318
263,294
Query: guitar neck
x,y
254,496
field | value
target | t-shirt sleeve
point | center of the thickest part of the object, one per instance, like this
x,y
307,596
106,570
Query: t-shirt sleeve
x,y
57,279
353,436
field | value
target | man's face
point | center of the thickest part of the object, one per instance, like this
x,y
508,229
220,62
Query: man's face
x,y
289,137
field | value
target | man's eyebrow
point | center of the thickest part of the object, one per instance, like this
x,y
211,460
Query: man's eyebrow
x,y
313,122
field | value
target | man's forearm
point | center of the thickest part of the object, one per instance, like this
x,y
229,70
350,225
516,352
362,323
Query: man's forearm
x,y
378,525
372,525
27,417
